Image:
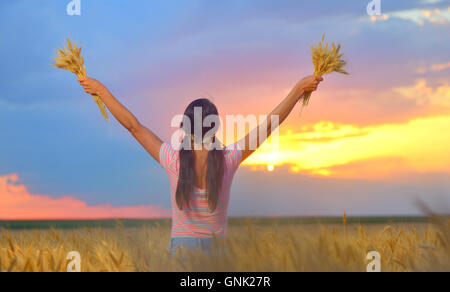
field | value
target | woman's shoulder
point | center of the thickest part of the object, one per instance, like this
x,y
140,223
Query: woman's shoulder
x,y
168,156
233,147
168,149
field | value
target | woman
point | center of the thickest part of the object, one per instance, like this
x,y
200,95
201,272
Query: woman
x,y
201,172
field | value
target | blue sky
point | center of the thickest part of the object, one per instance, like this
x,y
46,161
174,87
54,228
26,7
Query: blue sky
x,y
156,56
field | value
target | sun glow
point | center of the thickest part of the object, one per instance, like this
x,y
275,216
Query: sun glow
x,y
331,149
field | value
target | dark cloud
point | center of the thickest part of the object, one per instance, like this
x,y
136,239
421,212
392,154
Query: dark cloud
x,y
285,193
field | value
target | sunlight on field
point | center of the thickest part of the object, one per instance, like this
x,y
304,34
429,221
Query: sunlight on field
x,y
296,247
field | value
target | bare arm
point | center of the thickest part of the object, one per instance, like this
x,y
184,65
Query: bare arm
x,y
144,136
282,111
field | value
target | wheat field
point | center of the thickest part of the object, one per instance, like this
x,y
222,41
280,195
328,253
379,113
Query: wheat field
x,y
252,248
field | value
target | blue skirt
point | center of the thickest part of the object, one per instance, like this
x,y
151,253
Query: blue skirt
x,y
191,244
206,245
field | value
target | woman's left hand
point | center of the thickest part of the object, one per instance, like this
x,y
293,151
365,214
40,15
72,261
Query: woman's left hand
x,y
310,83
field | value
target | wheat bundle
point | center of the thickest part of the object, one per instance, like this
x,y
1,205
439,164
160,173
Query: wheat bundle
x,y
69,58
326,59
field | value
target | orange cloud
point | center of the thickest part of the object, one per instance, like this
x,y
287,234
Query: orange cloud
x,y
369,169
363,106
433,68
383,17
16,203
440,67
423,94
420,17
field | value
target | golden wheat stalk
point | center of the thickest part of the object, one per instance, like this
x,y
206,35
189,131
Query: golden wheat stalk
x,y
70,58
326,59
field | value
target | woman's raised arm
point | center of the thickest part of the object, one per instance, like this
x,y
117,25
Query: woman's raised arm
x,y
144,136
282,111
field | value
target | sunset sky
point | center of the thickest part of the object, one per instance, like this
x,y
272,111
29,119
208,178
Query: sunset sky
x,y
370,143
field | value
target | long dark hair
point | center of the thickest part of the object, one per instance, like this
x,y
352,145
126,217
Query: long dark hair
x,y
215,161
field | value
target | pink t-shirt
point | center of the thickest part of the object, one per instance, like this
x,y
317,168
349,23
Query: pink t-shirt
x,y
199,221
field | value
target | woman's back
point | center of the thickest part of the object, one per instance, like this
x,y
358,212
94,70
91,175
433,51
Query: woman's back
x,y
201,168
199,221
195,226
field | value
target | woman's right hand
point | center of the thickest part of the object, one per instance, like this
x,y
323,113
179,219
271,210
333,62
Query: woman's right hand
x,y
92,86
310,83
